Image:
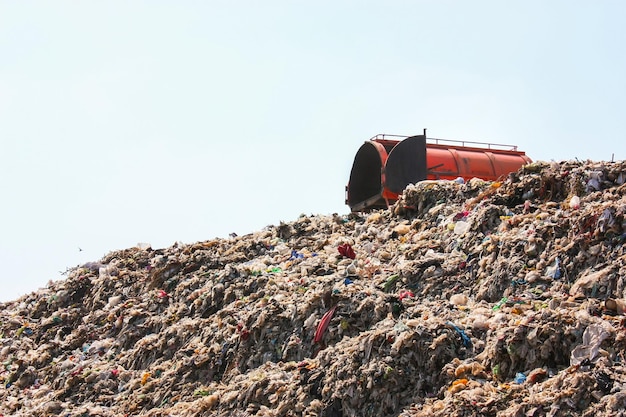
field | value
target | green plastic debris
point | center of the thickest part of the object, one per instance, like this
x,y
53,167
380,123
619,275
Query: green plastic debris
x,y
391,281
499,304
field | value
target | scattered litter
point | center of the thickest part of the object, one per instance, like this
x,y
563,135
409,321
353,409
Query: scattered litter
x,y
466,298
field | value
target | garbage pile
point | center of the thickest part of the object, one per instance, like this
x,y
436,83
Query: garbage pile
x,y
463,299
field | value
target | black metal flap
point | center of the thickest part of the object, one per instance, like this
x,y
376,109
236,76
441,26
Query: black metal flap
x,y
406,164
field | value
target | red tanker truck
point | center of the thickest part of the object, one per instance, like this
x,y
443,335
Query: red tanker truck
x,y
386,164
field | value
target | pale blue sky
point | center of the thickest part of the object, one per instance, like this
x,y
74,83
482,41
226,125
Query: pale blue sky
x,y
163,121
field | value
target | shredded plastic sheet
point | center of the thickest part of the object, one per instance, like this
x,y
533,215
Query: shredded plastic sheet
x,y
473,299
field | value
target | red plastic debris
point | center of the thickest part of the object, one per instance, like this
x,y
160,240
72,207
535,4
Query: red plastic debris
x,y
460,216
323,324
405,294
244,333
347,251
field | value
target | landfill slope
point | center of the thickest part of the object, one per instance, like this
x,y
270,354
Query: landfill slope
x,y
474,299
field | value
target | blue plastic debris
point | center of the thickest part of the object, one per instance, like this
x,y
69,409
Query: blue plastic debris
x,y
467,342
296,255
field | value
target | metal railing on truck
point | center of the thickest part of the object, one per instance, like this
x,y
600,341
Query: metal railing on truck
x,y
450,142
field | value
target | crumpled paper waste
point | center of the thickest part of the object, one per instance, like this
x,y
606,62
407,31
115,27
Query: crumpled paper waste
x,y
475,299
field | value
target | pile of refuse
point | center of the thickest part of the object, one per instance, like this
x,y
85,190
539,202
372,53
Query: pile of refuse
x,y
462,299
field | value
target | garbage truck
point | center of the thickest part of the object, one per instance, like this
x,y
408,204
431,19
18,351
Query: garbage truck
x,y
385,164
